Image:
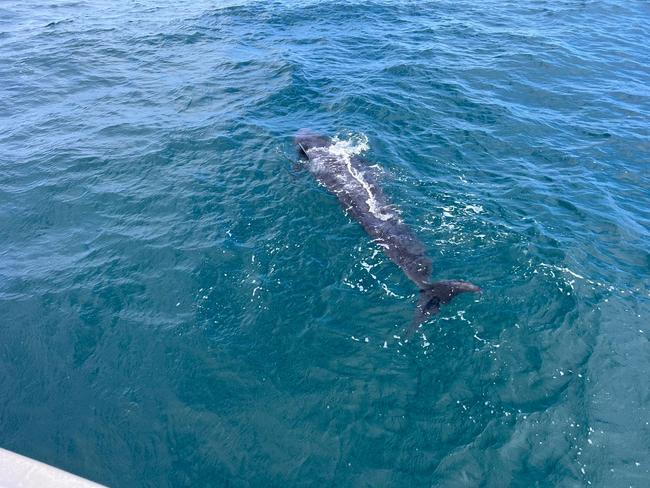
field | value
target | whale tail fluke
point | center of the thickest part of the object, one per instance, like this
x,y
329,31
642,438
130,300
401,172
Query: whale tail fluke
x,y
434,295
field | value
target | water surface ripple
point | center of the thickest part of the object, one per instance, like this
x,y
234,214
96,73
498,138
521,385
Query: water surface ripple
x,y
179,307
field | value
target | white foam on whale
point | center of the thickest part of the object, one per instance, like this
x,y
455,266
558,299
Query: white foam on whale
x,y
346,149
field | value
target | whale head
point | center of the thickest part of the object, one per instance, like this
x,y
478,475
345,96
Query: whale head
x,y
306,139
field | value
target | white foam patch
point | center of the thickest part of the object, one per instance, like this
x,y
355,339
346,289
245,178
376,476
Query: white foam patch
x,y
564,270
474,208
346,149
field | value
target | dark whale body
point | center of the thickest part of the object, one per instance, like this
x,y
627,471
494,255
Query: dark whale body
x,y
349,178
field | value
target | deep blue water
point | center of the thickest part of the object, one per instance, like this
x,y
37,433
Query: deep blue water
x,y
180,307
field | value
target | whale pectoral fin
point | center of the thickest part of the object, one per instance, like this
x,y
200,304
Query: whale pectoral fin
x,y
428,305
447,290
435,295
299,166
295,170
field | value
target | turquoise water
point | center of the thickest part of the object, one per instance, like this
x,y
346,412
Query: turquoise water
x,y
180,307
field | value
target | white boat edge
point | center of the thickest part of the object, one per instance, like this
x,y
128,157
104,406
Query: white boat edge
x,y
20,471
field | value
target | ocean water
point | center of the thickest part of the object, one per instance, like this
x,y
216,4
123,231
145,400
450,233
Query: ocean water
x,y
179,306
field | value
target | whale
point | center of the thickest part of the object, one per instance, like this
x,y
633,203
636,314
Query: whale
x,y
351,179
